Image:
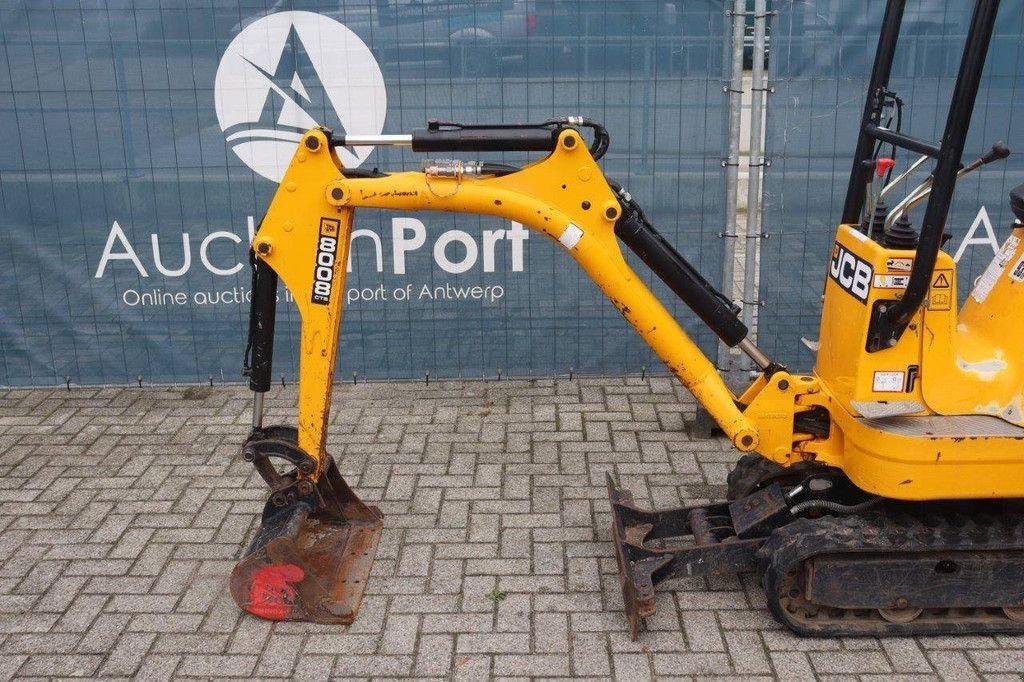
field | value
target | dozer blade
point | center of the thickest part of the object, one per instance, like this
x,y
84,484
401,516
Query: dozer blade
x,y
312,557
654,546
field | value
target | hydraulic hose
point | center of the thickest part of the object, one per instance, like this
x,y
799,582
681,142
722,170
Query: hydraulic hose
x,y
834,507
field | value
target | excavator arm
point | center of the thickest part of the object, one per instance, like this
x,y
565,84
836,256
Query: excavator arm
x,y
304,241
565,196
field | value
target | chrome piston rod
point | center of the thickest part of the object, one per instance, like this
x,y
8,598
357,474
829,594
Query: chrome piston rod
x,y
754,353
373,141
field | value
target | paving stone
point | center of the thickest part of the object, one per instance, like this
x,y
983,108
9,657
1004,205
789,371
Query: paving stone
x,y
792,665
589,655
434,657
849,662
535,665
1001,661
314,668
127,655
207,665
279,655
551,633
490,643
632,667
952,665
377,666
400,634
696,663
9,665
103,633
514,613
158,667
747,653
74,665
906,656
40,643
702,632
123,510
82,613
475,667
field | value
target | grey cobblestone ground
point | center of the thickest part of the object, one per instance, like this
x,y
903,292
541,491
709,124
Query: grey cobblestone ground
x,y
123,510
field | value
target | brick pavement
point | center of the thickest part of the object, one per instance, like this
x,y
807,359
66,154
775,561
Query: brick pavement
x,y
122,511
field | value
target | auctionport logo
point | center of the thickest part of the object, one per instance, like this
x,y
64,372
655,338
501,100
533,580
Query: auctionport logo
x,y
288,72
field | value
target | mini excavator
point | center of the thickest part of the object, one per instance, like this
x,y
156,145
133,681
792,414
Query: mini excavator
x,y
878,495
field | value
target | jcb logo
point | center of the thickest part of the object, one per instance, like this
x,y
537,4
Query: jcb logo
x,y
326,255
851,273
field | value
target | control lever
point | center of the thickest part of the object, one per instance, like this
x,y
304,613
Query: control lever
x,y
880,167
903,176
997,152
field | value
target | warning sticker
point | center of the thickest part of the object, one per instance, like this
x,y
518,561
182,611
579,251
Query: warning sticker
x,y
888,382
940,300
988,279
891,281
941,295
899,264
1017,272
1006,253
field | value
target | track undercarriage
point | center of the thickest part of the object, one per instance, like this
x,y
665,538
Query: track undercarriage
x,y
832,561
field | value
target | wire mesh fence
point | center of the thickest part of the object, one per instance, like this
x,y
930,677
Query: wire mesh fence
x,y
145,139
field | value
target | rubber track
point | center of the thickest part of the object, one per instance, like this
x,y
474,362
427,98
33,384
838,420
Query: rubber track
x,y
896,528
752,472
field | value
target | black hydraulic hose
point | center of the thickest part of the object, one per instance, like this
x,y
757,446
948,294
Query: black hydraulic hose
x,y
602,140
834,507
489,168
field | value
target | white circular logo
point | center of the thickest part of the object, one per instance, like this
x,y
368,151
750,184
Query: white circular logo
x,y
289,72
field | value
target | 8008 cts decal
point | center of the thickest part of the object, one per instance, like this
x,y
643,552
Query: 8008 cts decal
x,y
326,255
851,273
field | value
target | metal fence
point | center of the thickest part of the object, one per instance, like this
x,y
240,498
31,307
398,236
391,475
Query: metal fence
x,y
144,140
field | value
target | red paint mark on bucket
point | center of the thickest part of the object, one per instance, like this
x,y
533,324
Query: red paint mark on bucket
x,y
271,594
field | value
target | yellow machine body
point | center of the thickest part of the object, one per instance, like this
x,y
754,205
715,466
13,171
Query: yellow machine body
x,y
937,415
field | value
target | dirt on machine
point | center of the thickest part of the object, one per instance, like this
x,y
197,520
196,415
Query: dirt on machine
x,y
879,494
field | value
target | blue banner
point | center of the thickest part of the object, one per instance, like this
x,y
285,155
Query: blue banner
x,y
145,139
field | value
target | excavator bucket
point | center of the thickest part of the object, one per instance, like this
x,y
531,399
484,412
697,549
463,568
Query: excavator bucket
x,y
312,555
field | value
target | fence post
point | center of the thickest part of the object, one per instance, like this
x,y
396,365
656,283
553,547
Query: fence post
x,y
728,362
727,359
756,166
